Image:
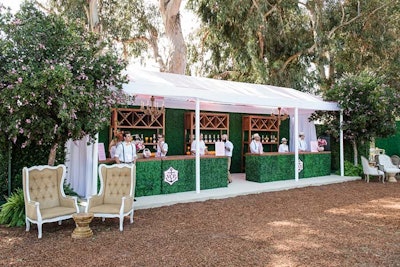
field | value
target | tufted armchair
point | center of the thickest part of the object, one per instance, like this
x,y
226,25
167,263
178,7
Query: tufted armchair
x,y
386,165
117,192
44,196
369,170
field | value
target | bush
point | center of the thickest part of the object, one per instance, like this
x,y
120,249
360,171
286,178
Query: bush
x,y
13,211
351,170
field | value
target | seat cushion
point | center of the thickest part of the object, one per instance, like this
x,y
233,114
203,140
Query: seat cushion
x,y
56,212
392,170
106,208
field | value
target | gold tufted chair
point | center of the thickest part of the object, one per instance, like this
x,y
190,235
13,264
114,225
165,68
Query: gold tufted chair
x,y
117,191
44,196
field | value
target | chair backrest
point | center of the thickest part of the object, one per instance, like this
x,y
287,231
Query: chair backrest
x,y
44,184
385,161
395,160
117,180
365,165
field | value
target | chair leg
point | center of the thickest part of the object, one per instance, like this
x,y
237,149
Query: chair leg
x,y
131,216
28,224
121,223
39,227
367,178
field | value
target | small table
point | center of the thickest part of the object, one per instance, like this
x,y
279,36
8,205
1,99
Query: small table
x,y
82,221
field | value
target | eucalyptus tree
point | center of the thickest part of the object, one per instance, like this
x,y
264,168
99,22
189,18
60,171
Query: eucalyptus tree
x,y
293,43
141,29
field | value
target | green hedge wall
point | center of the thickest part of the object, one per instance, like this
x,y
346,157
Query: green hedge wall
x,y
268,168
174,134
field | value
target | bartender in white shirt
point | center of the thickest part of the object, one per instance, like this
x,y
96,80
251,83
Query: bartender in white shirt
x,y
302,143
283,147
256,146
202,147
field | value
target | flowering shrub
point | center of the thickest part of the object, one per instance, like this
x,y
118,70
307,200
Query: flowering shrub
x,y
57,80
322,142
139,145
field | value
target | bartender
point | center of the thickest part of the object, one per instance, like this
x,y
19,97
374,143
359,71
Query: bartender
x,y
302,142
256,146
202,146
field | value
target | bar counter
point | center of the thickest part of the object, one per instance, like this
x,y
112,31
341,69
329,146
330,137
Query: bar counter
x,y
274,166
150,174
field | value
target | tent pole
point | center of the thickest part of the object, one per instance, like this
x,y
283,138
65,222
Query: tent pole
x,y
296,141
341,145
93,190
197,123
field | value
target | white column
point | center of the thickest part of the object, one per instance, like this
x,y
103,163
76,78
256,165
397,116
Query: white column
x,y
197,132
341,145
296,141
91,188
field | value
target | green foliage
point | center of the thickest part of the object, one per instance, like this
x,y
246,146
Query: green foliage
x,y
351,170
136,24
369,107
13,211
251,42
57,81
68,190
306,45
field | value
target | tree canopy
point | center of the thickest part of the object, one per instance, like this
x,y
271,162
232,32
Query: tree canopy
x,y
57,81
298,44
369,108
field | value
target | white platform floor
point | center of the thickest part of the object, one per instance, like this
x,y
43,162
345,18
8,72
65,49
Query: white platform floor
x,y
238,187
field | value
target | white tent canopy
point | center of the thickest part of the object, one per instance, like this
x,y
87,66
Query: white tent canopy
x,y
178,91
187,92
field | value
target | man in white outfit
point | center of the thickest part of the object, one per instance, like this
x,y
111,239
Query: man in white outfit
x,y
302,143
126,150
283,147
202,146
228,153
256,146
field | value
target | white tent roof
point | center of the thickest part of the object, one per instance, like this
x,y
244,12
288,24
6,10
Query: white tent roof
x,y
180,91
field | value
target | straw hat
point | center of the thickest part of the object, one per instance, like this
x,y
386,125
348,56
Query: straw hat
x,y
284,139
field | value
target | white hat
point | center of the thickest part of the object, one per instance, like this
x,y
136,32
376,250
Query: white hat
x,y
284,139
256,135
301,134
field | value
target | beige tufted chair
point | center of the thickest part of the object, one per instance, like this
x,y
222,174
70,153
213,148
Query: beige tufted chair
x,y
117,191
386,165
44,196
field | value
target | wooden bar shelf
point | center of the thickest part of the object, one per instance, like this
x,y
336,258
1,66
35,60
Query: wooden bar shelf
x,y
211,124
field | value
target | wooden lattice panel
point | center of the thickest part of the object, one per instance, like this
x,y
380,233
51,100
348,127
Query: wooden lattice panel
x,y
268,124
212,121
135,118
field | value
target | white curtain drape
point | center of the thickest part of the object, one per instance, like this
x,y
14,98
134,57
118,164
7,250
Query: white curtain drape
x,y
304,126
79,162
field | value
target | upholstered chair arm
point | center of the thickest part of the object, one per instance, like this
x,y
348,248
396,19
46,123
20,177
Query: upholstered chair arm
x,y
32,210
94,201
381,167
127,203
69,201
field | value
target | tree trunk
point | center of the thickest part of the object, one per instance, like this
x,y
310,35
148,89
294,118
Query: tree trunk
x,y
52,155
171,17
354,143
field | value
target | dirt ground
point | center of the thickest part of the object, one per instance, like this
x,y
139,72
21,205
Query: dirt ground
x,y
346,224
